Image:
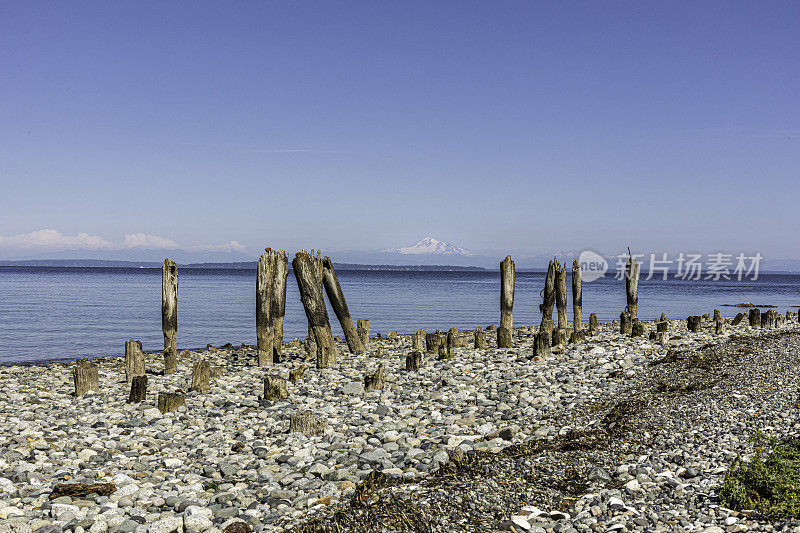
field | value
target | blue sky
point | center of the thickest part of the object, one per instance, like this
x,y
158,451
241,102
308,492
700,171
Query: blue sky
x,y
521,126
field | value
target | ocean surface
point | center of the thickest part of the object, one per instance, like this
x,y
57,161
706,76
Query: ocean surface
x,y
61,313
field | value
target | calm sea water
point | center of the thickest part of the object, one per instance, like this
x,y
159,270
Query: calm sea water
x,y
64,313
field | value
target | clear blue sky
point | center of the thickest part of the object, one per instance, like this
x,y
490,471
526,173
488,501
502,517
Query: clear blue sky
x,y
520,126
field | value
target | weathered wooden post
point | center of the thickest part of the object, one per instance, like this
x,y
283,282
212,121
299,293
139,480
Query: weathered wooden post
x,y
479,339
577,303
593,326
414,361
625,322
336,297
277,302
307,423
755,317
375,380
693,323
86,377
637,328
632,287
561,294
432,341
201,376
169,315
264,278
507,278
275,388
541,343
363,332
418,340
719,325
737,319
138,389
134,360
549,300
308,282
170,401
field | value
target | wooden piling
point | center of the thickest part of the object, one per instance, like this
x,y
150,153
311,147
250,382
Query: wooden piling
x,y
169,315
363,332
561,294
755,317
625,322
170,401
577,303
275,388
277,302
418,340
336,298
548,299
310,286
375,380
86,377
134,360
594,327
479,339
507,279
138,389
432,341
632,287
264,278
201,376
414,361
737,319
693,323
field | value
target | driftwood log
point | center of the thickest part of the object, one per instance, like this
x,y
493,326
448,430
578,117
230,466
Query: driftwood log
x,y
310,286
170,401
507,279
169,315
86,377
134,360
336,298
81,490
201,376
138,389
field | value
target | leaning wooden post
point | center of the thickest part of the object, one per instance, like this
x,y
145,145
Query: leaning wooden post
x,y
336,297
507,277
277,302
632,287
134,360
561,294
86,378
264,276
577,302
308,282
169,315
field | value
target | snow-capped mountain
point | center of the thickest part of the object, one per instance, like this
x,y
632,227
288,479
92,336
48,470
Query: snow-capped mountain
x,y
429,245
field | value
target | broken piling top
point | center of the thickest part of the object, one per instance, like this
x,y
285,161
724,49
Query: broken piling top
x,y
561,294
577,296
169,314
507,279
264,279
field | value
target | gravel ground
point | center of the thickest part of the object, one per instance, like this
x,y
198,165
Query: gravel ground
x,y
616,433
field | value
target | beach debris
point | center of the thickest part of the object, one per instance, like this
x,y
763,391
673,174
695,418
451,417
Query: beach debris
x,y
307,423
81,490
309,282
169,315
170,401
138,389
134,360
507,278
275,388
201,375
336,298
86,378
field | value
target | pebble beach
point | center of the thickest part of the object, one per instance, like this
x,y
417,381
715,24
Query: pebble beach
x,y
617,433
